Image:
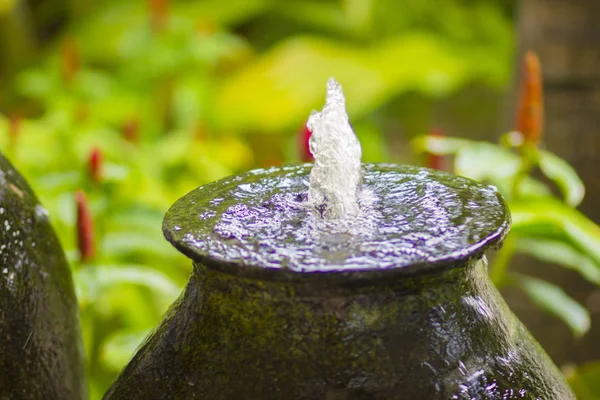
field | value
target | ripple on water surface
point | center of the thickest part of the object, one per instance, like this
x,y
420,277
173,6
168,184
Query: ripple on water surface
x,y
409,215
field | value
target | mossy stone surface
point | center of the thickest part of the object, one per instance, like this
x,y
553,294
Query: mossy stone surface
x,y
41,351
446,336
434,329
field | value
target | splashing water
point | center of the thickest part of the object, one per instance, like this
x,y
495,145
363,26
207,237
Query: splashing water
x,y
335,178
408,216
344,216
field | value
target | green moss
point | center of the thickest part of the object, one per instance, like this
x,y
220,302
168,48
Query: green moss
x,y
240,338
41,354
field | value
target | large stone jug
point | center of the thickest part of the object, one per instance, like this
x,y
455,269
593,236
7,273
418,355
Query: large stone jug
x,y
397,306
41,350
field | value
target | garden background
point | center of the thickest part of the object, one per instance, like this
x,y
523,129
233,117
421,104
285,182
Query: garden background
x,y
114,109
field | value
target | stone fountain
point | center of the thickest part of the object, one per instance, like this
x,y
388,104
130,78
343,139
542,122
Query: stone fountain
x,y
339,280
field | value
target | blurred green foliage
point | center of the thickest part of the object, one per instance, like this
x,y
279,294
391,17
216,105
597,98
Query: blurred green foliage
x,y
544,226
178,94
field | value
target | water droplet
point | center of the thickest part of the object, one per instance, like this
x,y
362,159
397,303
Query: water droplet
x,y
40,211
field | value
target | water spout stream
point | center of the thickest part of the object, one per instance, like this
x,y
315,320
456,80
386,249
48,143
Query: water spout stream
x,y
335,178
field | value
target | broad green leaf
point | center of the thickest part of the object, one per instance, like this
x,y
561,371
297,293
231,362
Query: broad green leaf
x,y
565,177
554,300
115,172
441,145
59,180
277,91
227,13
585,380
92,280
36,83
117,349
113,33
560,253
138,217
490,163
532,188
551,218
321,15
485,161
137,306
127,242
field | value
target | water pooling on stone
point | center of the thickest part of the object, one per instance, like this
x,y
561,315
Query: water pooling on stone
x,y
410,216
336,175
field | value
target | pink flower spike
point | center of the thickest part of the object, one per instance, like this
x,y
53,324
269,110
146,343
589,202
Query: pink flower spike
x,y
435,161
85,228
14,128
304,144
95,165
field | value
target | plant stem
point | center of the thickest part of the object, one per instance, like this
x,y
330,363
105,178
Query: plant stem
x,y
529,158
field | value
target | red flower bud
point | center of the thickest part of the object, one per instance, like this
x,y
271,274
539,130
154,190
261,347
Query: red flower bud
x,y
70,59
81,113
531,108
306,155
159,10
200,132
14,128
131,130
95,165
85,228
435,161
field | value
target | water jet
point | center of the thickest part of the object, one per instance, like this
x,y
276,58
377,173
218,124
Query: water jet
x,y
339,281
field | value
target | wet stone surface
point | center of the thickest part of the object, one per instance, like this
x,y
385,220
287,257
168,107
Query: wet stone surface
x,y
395,304
436,337
409,216
41,354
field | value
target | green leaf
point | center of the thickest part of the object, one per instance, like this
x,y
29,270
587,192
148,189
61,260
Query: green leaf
x,y
485,161
321,15
564,176
117,349
560,253
490,163
115,172
440,145
585,380
553,219
228,13
59,180
554,300
127,242
278,90
94,279
138,217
